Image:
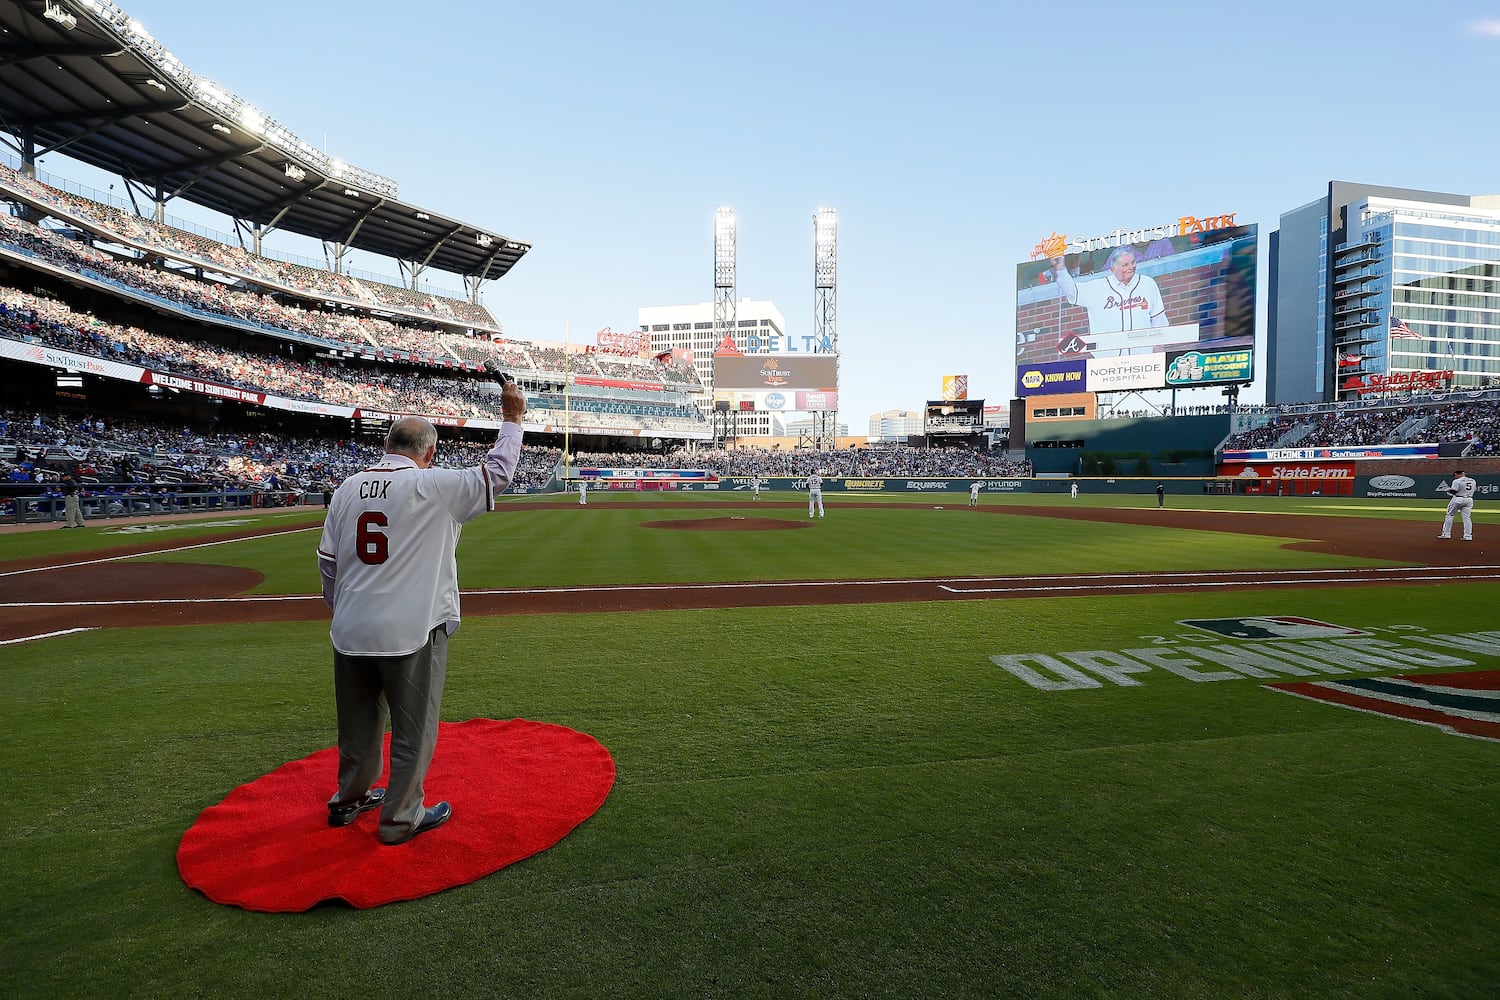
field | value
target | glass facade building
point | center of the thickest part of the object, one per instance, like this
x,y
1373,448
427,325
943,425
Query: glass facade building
x,y
1384,290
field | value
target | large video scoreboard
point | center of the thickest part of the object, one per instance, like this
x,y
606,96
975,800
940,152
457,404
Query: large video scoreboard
x,y
1163,307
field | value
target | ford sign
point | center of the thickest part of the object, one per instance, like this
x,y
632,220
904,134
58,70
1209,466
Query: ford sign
x,y
1392,482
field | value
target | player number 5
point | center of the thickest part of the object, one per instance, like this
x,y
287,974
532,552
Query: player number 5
x,y
369,542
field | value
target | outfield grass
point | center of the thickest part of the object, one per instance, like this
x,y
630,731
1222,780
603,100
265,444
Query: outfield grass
x,y
823,802
568,546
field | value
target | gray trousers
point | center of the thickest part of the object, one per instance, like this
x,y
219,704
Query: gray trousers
x,y
408,689
72,512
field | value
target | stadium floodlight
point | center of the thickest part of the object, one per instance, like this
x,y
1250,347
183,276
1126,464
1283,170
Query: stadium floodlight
x,y
724,247
252,120
293,171
337,167
351,192
56,12
424,216
483,239
210,92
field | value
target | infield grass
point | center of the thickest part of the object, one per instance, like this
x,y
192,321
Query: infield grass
x,y
831,802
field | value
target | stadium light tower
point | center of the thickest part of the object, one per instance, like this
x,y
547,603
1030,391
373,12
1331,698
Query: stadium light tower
x,y
825,314
724,275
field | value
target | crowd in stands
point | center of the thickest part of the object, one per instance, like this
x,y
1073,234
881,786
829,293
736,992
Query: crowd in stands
x,y
42,320
233,261
902,461
1476,424
38,319
128,453
338,328
342,329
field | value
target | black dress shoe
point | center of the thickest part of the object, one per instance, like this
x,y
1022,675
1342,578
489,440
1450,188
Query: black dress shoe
x,y
434,816
344,815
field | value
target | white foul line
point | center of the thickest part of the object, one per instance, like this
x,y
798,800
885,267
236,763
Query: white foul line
x,y
44,635
1232,582
1034,584
153,552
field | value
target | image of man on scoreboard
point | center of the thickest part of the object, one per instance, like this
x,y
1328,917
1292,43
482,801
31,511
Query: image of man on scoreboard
x,y
1121,300
1124,306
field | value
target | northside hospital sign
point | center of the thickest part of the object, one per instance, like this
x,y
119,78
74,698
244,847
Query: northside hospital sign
x,y
1056,245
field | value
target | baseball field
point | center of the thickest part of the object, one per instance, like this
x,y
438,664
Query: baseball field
x,y
1046,748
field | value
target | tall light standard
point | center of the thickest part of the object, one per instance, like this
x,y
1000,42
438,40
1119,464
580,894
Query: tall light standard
x,y
825,315
724,292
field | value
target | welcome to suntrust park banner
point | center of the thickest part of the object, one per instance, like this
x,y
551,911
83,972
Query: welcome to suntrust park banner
x,y
1335,452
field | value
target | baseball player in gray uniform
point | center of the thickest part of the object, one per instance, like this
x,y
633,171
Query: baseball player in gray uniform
x,y
814,494
390,575
1461,501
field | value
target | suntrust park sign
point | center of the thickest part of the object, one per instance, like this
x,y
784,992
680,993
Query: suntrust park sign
x,y
1056,245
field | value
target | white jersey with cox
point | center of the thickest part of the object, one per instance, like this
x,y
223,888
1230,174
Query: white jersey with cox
x,y
384,605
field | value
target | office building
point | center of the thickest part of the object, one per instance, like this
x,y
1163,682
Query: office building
x,y
1383,290
759,329
895,425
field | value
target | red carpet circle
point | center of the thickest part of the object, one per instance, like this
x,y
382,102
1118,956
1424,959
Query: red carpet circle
x,y
516,787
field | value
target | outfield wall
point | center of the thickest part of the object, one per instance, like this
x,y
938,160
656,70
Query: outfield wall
x,y
889,484
1169,445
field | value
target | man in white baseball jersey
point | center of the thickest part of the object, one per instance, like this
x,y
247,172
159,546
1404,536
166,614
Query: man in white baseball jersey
x,y
973,494
1119,302
756,483
1073,491
814,494
583,492
390,575
1461,494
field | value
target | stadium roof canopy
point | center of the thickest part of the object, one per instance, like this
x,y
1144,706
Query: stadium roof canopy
x,y
82,78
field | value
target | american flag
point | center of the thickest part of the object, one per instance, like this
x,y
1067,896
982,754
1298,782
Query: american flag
x,y
1348,360
1400,331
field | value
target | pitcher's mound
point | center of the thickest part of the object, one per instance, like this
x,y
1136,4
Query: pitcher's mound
x,y
726,524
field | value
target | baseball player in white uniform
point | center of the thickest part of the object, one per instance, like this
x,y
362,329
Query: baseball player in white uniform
x,y
973,494
1073,491
756,483
583,492
1120,302
1461,502
814,494
390,575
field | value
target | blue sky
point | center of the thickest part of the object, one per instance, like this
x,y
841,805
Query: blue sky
x,y
950,138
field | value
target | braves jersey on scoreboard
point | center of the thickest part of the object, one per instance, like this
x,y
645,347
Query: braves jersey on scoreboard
x,y
390,536
1114,307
